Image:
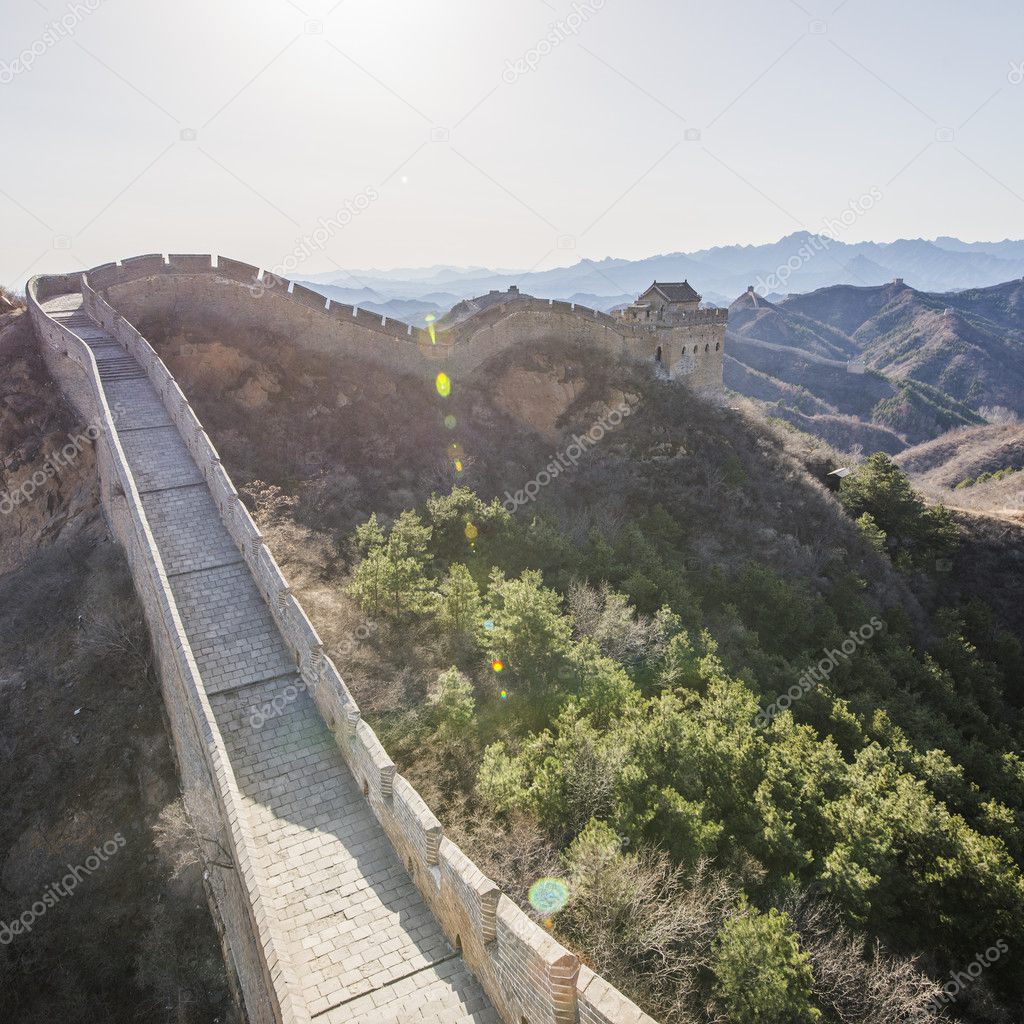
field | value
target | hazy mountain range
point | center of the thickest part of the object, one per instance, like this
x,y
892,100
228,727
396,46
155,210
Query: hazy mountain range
x,y
800,262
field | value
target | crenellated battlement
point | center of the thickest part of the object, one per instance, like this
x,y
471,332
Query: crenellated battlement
x,y
689,347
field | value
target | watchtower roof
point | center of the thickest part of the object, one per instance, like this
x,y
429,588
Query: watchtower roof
x,y
673,291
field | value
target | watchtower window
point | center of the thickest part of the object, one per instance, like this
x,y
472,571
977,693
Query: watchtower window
x,y
657,354
707,348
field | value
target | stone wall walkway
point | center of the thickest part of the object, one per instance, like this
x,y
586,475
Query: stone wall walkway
x,y
364,945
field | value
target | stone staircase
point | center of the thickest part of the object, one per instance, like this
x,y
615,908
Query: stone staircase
x,y
340,905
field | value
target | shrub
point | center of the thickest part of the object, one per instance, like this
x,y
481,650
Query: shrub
x,y
530,635
459,607
879,488
392,576
858,982
870,531
608,618
761,975
454,705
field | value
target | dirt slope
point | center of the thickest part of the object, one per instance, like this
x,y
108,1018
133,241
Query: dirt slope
x,y
84,754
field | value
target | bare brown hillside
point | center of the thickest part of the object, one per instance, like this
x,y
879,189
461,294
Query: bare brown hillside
x,y
965,453
35,423
348,438
84,753
934,362
978,469
880,368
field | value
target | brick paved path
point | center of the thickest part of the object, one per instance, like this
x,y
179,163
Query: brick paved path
x,y
364,945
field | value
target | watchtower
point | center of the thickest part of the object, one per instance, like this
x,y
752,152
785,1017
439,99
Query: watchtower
x,y
685,341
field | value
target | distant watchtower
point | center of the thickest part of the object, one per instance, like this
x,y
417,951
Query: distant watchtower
x,y
664,303
685,340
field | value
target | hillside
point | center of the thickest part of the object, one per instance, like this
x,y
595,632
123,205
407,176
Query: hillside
x,y
35,421
755,318
84,754
969,347
933,362
350,439
965,454
844,308
978,468
641,606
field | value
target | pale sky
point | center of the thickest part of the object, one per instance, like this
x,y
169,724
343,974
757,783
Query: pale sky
x,y
649,126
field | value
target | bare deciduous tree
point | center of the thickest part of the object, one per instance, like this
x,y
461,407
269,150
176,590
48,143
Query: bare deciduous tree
x,y
857,981
187,833
611,621
649,926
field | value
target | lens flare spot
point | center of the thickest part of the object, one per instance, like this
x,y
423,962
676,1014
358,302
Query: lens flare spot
x,y
497,664
450,422
504,695
489,624
443,384
471,532
549,895
430,318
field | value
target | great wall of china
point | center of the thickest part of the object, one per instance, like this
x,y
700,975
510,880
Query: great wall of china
x,y
344,901
203,289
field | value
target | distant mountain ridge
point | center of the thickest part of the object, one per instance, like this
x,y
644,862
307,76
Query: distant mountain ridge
x,y
800,262
883,367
